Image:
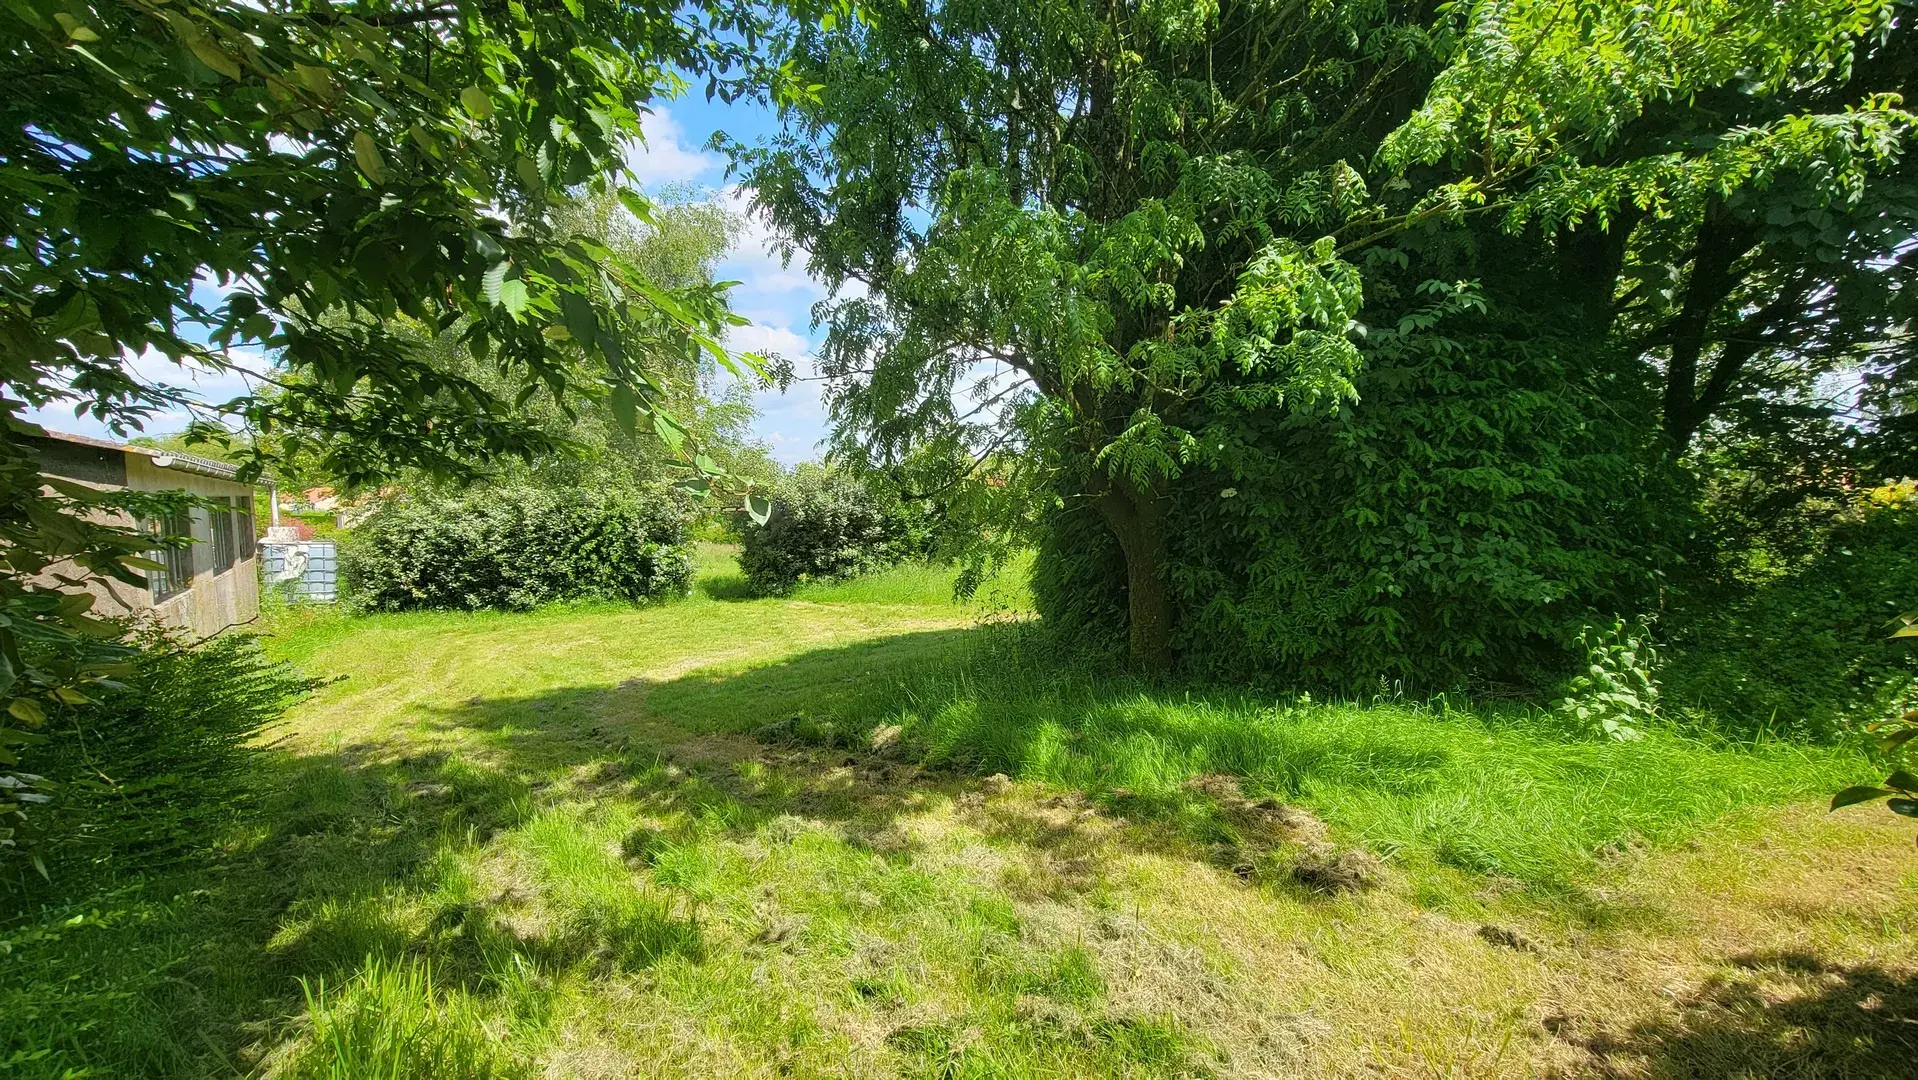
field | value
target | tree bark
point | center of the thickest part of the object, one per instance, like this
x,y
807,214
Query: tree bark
x,y
1721,242
1137,517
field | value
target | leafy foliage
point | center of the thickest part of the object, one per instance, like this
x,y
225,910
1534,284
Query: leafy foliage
x,y
823,525
1083,231
678,246
1805,652
185,180
1616,694
518,547
156,764
1895,737
1453,526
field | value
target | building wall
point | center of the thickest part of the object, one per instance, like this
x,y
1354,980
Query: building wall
x,y
214,601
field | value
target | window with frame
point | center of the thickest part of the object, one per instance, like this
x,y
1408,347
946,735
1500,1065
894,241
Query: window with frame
x,y
177,575
243,525
220,524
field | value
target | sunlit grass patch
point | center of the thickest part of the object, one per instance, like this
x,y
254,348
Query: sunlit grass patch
x,y
392,1020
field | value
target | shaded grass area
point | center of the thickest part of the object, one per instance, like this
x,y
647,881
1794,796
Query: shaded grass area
x,y
599,841
1506,792
717,577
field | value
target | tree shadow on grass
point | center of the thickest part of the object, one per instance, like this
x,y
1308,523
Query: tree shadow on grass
x,y
1778,1014
357,851
725,587
193,968
872,731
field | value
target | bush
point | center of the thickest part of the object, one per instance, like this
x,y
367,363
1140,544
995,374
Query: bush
x,y
1807,654
1615,694
826,525
517,548
1456,525
153,769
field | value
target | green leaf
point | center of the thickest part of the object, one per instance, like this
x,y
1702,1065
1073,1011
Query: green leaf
x,y
477,103
708,466
76,492
759,508
27,710
1897,739
625,408
581,322
669,431
1902,780
513,296
491,281
98,628
528,171
1907,807
638,205
1853,795
366,153
212,55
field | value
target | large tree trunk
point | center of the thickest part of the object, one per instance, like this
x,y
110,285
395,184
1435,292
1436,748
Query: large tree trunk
x,y
1137,517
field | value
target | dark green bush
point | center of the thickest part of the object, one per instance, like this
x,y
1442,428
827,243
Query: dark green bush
x,y
519,547
1458,524
827,525
1807,653
151,771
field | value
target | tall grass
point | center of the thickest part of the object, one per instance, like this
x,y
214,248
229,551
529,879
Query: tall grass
x,y
392,1023
1500,791
717,576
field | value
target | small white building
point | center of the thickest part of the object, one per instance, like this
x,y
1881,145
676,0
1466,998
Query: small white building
x,y
205,588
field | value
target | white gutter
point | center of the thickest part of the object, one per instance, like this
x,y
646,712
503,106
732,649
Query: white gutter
x,y
188,463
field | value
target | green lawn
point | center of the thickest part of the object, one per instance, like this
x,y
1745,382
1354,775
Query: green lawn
x,y
865,830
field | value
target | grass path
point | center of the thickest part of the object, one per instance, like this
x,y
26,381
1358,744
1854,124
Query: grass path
x,y
856,833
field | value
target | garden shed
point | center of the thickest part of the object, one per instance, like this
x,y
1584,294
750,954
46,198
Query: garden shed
x,y
205,588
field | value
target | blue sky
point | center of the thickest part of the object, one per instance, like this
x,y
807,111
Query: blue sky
x,y
778,299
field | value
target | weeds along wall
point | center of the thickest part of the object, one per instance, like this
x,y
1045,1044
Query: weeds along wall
x,y
519,547
1459,522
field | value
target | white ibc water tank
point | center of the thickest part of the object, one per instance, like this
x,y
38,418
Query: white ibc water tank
x,y
302,569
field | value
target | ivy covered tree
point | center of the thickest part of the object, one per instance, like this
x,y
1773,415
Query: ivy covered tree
x,y
184,179
1065,232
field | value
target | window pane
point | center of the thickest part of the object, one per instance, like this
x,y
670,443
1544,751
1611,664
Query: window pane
x,y
178,562
243,524
220,524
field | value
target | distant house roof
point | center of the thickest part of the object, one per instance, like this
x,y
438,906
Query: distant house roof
x,y
165,459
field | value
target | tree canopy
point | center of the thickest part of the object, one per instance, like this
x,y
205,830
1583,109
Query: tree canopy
x,y
1079,231
185,180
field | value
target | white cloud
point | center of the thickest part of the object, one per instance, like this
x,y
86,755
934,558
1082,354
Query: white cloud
x,y
666,157
763,337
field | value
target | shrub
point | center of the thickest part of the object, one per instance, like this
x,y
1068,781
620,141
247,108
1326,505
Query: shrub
x,y
1615,694
152,769
825,525
1453,526
1807,653
517,548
